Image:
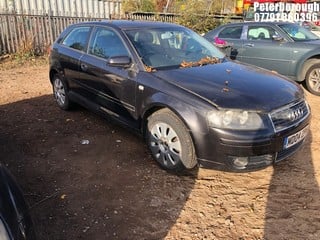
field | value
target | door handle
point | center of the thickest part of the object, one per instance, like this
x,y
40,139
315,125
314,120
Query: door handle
x,y
84,67
249,45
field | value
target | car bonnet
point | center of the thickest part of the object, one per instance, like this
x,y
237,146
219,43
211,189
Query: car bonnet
x,y
233,85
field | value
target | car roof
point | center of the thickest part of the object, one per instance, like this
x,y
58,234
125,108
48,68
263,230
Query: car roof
x,y
256,23
129,24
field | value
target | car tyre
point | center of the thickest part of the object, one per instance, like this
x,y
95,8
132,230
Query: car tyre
x,y
170,142
313,79
60,92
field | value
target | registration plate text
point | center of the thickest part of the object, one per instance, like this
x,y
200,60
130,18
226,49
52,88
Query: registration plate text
x,y
295,138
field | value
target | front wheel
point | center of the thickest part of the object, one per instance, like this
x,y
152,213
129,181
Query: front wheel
x,y
313,79
60,92
170,142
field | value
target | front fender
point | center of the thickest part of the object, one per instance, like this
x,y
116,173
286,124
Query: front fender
x,y
194,117
300,69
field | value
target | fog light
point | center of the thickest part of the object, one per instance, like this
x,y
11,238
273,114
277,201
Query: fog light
x,y
240,162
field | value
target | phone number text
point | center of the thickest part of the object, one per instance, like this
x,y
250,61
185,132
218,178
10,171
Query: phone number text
x,y
277,17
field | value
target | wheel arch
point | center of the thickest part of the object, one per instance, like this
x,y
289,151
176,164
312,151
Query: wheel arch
x,y
188,114
304,66
55,68
52,73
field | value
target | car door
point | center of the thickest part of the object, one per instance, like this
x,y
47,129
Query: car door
x,y
262,49
111,88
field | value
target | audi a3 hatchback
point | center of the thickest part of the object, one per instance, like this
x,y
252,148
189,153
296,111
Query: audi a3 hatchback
x,y
194,106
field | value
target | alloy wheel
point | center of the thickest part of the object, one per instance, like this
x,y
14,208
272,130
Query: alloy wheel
x,y
59,92
165,144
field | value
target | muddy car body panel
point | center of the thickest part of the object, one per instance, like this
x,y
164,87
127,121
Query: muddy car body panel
x,y
198,87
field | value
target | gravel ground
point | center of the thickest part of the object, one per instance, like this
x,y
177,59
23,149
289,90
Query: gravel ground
x,y
110,188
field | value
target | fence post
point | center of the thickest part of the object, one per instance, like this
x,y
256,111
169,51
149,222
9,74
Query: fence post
x,y
50,25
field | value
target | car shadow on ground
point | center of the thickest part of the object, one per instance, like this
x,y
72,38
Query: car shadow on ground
x,y
85,177
293,202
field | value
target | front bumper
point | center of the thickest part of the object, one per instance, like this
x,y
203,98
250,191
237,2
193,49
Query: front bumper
x,y
230,150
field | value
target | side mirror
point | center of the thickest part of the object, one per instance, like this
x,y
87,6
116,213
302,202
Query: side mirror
x,y
119,61
277,38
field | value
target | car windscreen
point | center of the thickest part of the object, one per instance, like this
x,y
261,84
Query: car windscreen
x,y
171,47
298,33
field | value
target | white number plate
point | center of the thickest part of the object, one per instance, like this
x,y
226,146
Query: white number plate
x,y
295,138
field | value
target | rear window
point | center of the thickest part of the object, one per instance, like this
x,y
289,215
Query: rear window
x,y
261,33
77,38
231,32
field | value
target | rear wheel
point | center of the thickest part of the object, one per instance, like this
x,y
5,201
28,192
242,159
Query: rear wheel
x,y
313,79
170,142
60,92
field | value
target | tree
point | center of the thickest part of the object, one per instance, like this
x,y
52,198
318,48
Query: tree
x,y
139,5
160,5
195,15
204,6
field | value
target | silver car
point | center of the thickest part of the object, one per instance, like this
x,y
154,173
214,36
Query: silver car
x,y
286,48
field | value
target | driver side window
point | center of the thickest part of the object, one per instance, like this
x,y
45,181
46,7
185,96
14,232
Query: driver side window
x,y
231,32
106,43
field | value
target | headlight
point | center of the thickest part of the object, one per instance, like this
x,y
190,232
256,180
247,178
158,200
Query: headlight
x,y
235,119
3,231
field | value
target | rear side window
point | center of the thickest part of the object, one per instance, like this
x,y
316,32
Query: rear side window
x,y
77,38
231,32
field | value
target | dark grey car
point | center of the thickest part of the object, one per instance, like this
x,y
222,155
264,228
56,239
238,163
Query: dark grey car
x,y
192,105
286,48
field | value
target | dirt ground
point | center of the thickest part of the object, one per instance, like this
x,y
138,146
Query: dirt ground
x,y
110,188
